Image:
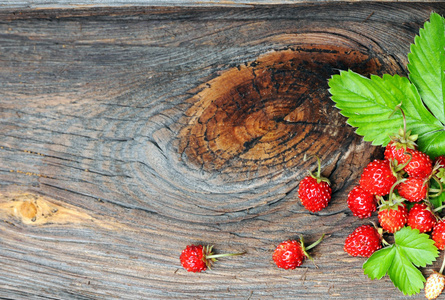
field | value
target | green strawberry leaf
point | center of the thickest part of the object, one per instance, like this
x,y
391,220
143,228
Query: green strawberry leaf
x,y
378,264
416,246
407,278
369,103
399,261
427,65
433,143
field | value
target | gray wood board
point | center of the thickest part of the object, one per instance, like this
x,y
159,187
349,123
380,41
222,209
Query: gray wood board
x,y
107,170
68,4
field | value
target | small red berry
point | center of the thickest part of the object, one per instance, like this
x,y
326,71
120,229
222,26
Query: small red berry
x,y
192,258
393,218
413,189
291,254
401,143
315,191
395,151
420,165
377,178
197,258
361,203
314,195
438,235
420,217
363,241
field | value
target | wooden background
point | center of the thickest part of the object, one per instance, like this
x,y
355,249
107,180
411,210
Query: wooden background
x,y
127,133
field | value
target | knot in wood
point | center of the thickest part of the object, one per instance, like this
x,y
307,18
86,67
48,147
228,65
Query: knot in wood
x,y
28,210
263,116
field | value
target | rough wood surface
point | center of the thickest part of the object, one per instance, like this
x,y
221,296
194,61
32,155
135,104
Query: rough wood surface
x,y
126,134
88,4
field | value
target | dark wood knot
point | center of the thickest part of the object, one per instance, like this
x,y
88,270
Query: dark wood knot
x,y
263,116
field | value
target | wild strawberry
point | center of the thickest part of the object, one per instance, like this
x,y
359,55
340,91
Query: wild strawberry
x,y
400,143
291,254
420,165
315,191
361,203
363,241
420,217
413,189
438,235
377,178
198,258
392,217
392,152
434,285
314,195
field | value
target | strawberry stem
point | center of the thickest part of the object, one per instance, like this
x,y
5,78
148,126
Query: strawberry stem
x,y
442,267
439,208
400,167
310,247
224,255
209,258
399,107
318,174
306,157
391,193
380,232
384,242
438,191
315,243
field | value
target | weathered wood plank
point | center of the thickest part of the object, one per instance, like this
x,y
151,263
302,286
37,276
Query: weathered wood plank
x,y
85,4
113,156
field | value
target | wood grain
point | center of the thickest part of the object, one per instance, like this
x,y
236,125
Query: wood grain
x,y
88,4
128,133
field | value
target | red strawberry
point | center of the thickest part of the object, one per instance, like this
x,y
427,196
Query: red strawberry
x,y
377,178
192,258
291,254
400,143
420,165
438,235
393,151
420,217
315,191
393,217
413,189
361,203
363,241
314,195
198,258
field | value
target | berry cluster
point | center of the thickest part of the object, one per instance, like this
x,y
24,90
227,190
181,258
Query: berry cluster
x,y
399,187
